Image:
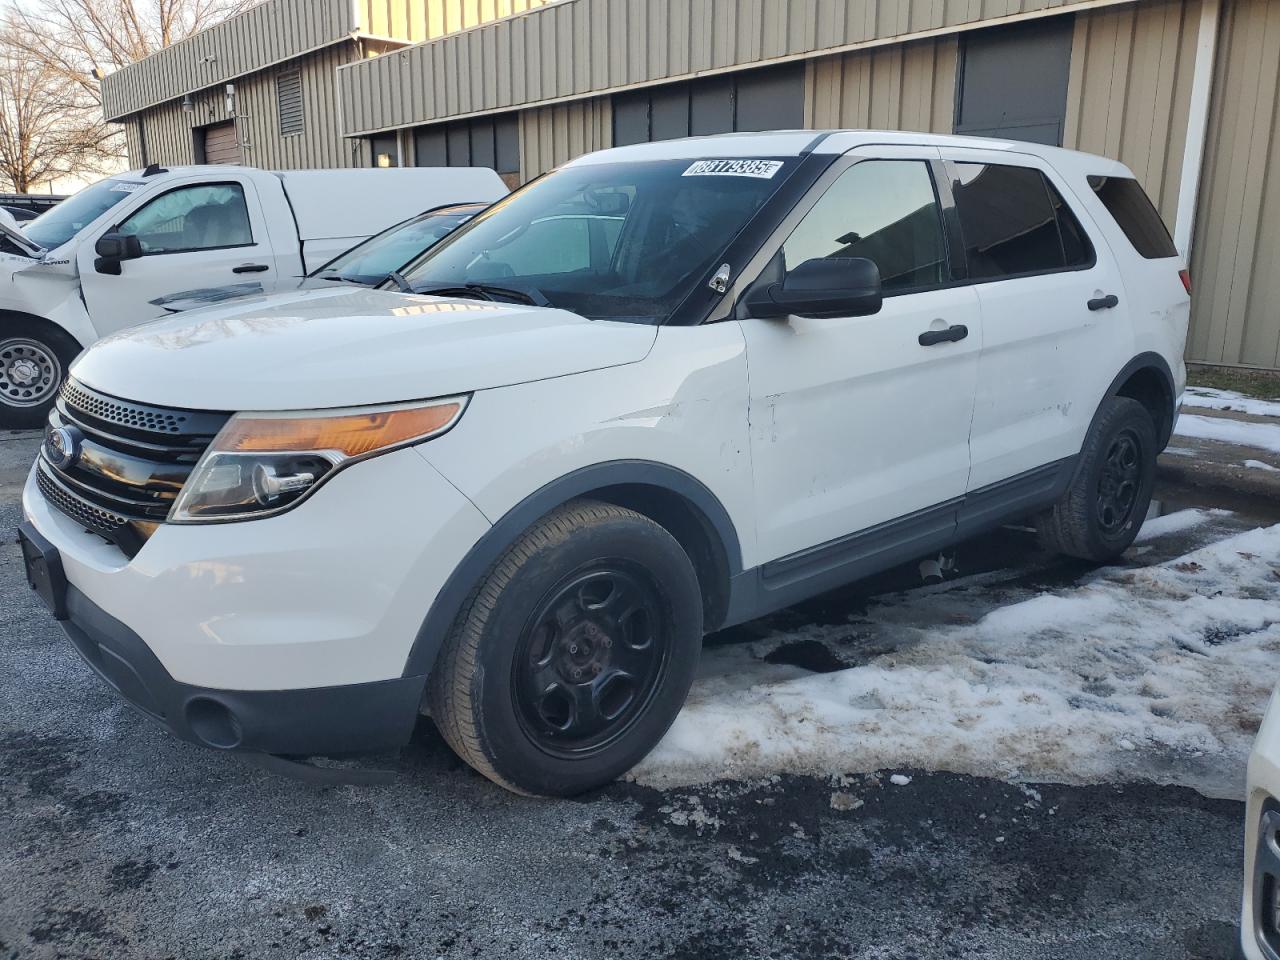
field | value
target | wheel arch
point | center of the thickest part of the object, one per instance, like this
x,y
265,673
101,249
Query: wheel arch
x,y
7,315
675,500
1147,379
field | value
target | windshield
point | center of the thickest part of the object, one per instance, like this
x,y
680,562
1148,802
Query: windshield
x,y
618,241
55,227
371,261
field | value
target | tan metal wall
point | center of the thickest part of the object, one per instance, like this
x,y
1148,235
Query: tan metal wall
x,y
1130,90
577,48
263,35
418,20
551,135
168,128
1235,263
907,86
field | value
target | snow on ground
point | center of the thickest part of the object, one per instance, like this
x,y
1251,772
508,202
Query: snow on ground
x,y
1210,399
1244,433
1154,673
1259,465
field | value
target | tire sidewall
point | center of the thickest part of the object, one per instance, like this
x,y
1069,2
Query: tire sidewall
x,y
513,754
1121,414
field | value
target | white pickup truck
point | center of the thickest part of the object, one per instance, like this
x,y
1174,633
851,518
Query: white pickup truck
x,y
109,256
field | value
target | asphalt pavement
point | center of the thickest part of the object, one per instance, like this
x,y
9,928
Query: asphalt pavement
x,y
117,841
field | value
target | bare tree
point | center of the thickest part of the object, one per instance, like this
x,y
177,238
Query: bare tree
x,y
54,55
84,39
48,128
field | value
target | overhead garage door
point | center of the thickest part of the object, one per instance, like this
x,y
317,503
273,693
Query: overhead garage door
x,y
221,144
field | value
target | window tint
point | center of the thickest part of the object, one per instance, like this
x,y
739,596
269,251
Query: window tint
x,y
1125,199
201,217
884,210
1010,225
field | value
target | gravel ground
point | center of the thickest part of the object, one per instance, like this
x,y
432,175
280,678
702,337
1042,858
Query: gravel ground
x,y
120,842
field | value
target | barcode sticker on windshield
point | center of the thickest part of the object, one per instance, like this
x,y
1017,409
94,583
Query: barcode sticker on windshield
x,y
760,169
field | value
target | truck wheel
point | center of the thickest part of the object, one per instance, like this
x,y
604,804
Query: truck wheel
x,y
1103,509
573,656
33,363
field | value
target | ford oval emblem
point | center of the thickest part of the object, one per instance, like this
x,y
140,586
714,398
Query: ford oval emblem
x,y
62,446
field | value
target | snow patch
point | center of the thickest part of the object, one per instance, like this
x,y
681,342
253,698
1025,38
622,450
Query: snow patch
x,y
1207,398
1158,674
1242,433
1259,465
899,780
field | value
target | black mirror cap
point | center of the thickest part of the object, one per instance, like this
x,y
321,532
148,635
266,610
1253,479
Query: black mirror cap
x,y
823,287
118,246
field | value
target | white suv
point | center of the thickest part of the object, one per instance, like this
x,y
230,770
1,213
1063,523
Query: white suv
x,y
664,389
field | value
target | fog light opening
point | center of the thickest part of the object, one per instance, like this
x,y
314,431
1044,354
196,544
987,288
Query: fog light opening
x,y
213,724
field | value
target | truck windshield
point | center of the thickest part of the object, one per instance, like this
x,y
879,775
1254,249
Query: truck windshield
x,y
55,227
617,241
371,261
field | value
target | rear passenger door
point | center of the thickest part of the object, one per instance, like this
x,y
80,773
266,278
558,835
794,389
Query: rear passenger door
x,y
1053,312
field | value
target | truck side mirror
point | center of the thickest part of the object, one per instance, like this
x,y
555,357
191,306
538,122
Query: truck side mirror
x,y
822,287
113,249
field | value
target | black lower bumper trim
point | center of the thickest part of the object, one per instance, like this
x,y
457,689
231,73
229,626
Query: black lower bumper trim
x,y
330,721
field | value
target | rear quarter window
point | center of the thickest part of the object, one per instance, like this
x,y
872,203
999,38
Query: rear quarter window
x,y
1136,215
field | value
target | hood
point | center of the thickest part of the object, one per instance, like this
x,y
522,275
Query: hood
x,y
347,347
185,300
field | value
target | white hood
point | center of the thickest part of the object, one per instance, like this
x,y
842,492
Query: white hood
x,y
347,347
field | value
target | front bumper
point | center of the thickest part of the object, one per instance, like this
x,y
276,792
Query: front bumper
x,y
1260,918
284,635
353,718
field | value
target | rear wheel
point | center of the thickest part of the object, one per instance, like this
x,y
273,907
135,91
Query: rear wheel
x,y
574,655
1102,511
33,363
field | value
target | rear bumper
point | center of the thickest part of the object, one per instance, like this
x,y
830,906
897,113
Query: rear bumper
x,y
355,718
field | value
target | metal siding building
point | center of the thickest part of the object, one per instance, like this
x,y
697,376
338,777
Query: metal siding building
x,y
1169,87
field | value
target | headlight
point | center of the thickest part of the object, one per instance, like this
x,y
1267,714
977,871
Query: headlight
x,y
262,463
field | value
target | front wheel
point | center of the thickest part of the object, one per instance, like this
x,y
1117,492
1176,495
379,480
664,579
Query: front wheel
x,y
33,363
573,656
1102,511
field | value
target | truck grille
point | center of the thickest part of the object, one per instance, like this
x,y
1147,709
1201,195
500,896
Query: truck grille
x,y
129,462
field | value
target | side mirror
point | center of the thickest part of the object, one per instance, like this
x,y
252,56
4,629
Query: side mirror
x,y
825,287
113,249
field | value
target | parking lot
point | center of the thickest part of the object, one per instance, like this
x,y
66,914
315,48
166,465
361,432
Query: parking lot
x,y
747,833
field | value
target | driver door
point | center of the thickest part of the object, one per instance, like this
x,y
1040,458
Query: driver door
x,y
859,430
193,236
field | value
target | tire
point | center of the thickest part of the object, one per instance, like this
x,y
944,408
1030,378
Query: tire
x,y
1100,514
34,358
592,588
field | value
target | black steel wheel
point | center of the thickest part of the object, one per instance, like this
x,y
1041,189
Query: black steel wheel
x,y
591,658
1119,482
1101,512
574,653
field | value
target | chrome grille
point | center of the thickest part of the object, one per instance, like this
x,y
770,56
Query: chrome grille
x,y
131,462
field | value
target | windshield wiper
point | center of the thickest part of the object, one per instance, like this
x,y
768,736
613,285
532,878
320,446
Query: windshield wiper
x,y
399,280
487,291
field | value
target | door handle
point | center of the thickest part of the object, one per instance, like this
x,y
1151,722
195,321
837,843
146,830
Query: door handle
x,y
1104,303
952,334
251,268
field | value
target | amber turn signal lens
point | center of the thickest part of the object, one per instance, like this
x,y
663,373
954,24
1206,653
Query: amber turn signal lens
x,y
353,434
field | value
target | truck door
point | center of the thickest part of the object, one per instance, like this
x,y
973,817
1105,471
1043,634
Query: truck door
x,y
192,236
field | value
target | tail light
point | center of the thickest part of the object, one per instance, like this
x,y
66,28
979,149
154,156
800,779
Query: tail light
x,y
1185,277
